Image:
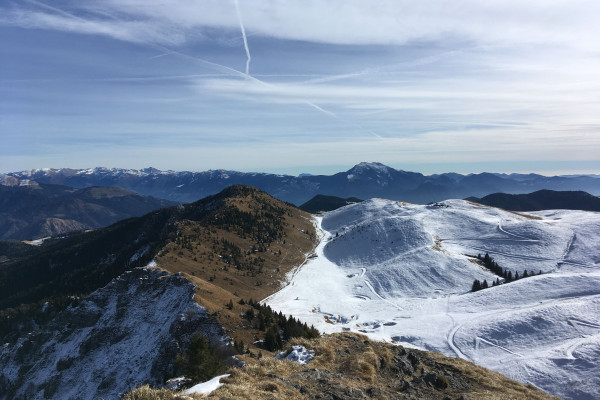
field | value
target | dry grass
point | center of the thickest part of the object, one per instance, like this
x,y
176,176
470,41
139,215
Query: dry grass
x,y
490,384
147,393
350,363
534,217
356,363
528,216
218,282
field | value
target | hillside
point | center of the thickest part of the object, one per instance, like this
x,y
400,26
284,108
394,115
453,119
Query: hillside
x,y
349,366
321,203
403,273
364,180
542,200
244,250
128,332
234,246
237,244
35,211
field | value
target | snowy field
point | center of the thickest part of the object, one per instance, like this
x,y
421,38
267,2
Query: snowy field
x,y
402,273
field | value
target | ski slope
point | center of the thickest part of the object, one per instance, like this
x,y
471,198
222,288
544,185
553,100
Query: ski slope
x,y
403,273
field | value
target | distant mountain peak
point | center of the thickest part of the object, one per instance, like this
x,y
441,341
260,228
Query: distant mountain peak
x,y
371,166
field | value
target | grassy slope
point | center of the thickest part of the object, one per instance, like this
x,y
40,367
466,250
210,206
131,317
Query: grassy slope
x,y
349,366
199,253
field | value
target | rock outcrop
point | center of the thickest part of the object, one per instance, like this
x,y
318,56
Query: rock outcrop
x,y
119,337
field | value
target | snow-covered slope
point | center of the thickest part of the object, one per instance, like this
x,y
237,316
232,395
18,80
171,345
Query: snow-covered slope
x,y
402,273
121,336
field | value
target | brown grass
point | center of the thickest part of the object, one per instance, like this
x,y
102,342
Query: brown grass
x,y
534,217
351,362
490,384
147,393
218,282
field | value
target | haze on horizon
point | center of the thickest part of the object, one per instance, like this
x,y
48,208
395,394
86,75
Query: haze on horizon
x,y
301,86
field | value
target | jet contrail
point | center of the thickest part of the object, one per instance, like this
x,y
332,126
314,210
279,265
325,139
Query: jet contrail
x,y
160,55
239,14
378,70
228,70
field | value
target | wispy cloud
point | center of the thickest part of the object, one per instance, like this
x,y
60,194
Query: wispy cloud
x,y
568,23
427,80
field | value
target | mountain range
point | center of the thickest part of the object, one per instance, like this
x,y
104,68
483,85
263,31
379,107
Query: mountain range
x,y
364,180
29,210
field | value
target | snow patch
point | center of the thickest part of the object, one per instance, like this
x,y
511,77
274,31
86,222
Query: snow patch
x,y
36,242
207,387
298,354
139,254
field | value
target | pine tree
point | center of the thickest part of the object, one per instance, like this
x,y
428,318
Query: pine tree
x,y
476,285
273,340
200,362
485,284
525,274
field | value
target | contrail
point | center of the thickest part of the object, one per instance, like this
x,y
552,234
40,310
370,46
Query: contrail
x,y
228,70
160,55
55,9
239,14
381,69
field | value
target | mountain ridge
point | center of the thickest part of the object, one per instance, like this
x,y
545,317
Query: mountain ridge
x,y
541,200
364,180
38,210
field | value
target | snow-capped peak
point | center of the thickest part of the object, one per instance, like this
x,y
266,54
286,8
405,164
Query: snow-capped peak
x,y
365,167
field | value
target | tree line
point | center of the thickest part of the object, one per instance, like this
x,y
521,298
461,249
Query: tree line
x,y
489,263
277,327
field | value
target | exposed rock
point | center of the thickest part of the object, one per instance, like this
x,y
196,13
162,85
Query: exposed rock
x,y
120,336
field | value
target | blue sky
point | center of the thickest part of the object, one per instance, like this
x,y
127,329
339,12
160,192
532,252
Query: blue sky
x,y
427,86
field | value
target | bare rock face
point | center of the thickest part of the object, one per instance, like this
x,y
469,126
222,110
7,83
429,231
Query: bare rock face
x,y
121,336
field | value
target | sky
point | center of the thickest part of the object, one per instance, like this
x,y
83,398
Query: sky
x,y
301,86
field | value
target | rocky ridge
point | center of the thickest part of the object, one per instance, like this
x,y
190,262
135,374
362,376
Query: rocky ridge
x,y
120,336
